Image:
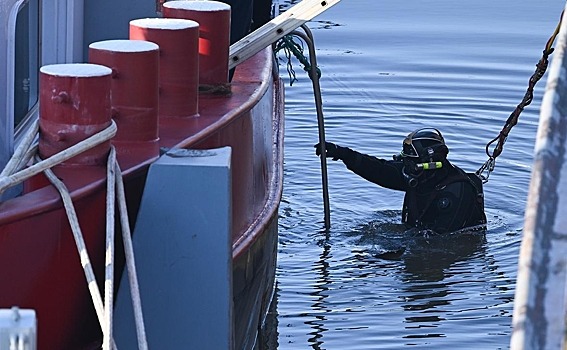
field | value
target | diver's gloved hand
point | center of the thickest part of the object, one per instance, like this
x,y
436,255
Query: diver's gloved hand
x,y
332,150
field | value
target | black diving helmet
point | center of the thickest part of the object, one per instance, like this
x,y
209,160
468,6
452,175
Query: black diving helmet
x,y
423,149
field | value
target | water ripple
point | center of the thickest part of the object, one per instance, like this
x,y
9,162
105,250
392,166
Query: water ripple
x,y
389,67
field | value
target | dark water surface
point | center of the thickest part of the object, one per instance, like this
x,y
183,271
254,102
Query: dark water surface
x,y
389,67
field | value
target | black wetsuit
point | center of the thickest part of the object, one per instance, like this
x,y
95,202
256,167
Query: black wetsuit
x,y
445,200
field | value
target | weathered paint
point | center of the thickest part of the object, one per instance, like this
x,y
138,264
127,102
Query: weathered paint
x,y
134,91
539,320
74,104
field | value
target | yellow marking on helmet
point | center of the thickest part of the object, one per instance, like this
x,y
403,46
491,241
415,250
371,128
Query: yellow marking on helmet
x,y
430,165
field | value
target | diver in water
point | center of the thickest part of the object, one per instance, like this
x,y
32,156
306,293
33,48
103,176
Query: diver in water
x,y
438,195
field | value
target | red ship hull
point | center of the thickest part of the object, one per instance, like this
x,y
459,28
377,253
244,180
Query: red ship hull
x,y
39,263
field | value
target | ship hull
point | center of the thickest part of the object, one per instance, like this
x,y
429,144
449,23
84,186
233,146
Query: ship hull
x,y
40,267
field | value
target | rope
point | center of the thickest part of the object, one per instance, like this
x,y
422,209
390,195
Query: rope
x,y
109,256
22,175
80,243
13,175
130,261
19,158
315,74
289,46
113,177
512,120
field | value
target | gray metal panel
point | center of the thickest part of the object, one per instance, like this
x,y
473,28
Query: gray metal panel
x,y
109,19
8,13
182,243
540,300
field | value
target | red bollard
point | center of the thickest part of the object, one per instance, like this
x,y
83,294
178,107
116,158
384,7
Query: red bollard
x,y
178,41
134,86
214,37
74,103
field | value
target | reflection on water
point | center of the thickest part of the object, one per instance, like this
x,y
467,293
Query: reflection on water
x,y
425,263
389,67
320,294
380,281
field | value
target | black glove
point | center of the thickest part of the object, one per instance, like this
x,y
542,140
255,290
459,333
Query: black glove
x,y
332,150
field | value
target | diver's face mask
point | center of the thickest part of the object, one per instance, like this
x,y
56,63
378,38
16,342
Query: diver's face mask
x,y
415,170
415,161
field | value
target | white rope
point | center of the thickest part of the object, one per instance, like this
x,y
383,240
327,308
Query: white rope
x,y
81,247
14,164
22,175
80,243
27,157
109,255
13,175
130,261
